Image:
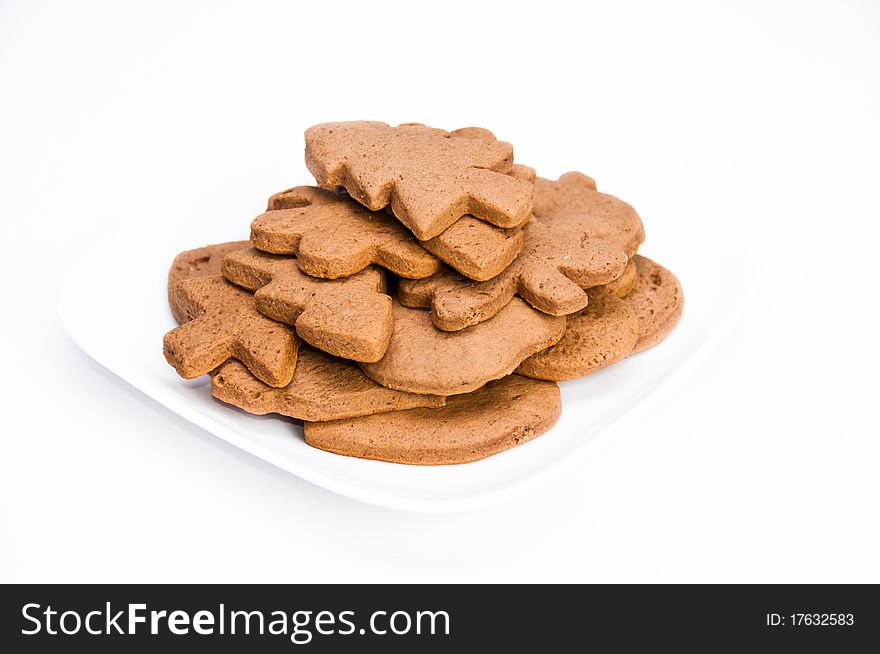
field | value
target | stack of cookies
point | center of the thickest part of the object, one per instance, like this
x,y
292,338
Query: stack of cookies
x,y
419,304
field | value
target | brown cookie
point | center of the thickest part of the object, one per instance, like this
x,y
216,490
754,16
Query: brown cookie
x,y
199,262
498,416
334,236
574,193
221,321
518,171
428,176
600,335
422,359
621,286
348,317
478,133
657,300
322,388
557,262
475,248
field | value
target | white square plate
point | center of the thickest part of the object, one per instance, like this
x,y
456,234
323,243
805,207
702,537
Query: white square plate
x,y
127,276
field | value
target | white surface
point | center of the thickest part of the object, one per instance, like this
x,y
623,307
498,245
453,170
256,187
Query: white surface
x,y
761,118
128,346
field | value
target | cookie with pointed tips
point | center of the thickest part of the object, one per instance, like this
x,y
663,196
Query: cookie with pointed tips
x,y
657,300
596,337
429,177
611,219
333,236
557,262
221,322
323,388
475,248
199,262
497,417
518,171
423,359
349,317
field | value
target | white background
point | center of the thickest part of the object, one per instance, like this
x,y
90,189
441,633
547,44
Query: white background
x,y
760,117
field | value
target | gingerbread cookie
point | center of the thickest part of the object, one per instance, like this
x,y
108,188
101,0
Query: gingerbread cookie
x,y
518,171
498,416
557,262
574,193
477,133
657,300
199,262
600,335
428,176
623,285
348,317
322,388
525,173
475,248
422,359
220,322
333,236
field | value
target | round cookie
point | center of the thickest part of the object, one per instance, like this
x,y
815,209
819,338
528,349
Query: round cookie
x,y
498,416
657,300
600,335
624,284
